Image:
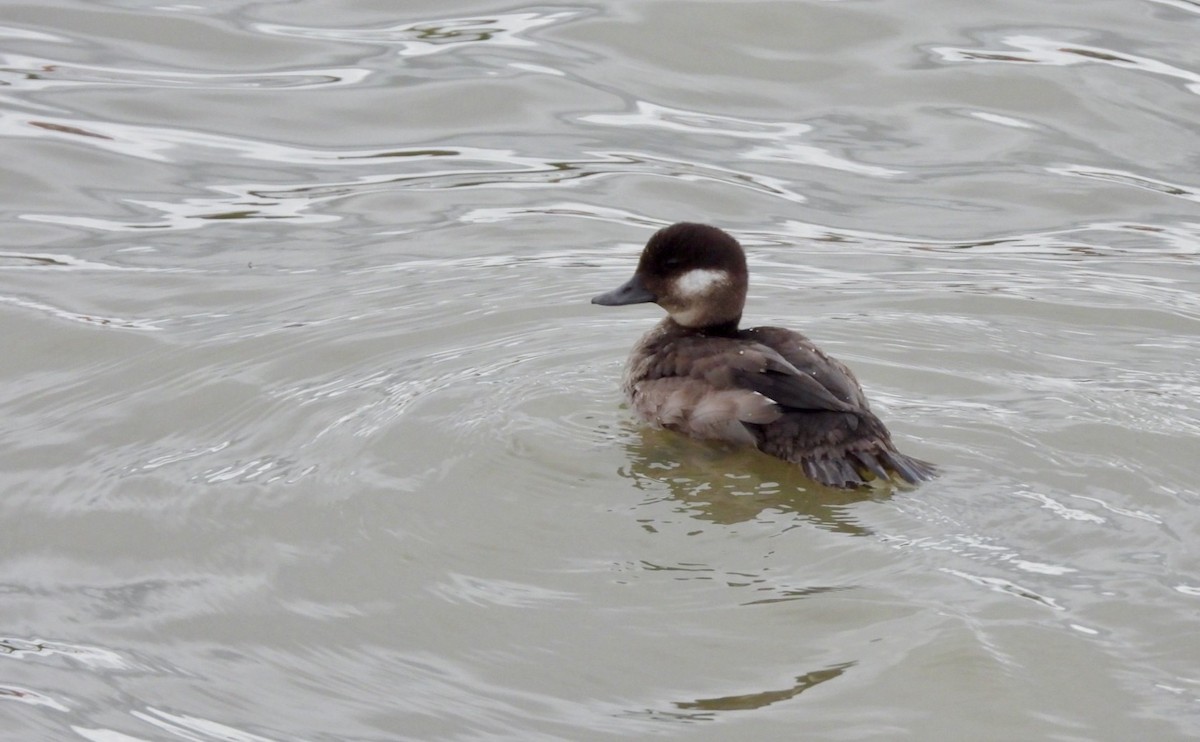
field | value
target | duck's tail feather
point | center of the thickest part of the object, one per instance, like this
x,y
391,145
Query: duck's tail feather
x,y
859,468
909,469
867,459
832,472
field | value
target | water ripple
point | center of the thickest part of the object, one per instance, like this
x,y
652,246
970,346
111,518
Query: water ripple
x,y
165,144
780,137
1126,178
1190,6
124,323
1003,585
518,170
92,657
1037,50
58,262
1069,243
260,201
31,697
433,36
483,591
35,74
27,34
188,727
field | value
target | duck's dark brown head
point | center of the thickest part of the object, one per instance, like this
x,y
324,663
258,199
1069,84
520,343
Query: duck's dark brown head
x,y
694,271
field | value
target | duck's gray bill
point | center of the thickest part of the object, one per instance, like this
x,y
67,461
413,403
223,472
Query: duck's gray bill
x,y
630,292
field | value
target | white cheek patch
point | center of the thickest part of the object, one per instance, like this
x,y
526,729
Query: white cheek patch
x,y
699,282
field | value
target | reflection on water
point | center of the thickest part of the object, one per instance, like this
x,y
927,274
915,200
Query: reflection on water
x,y
708,709
727,484
762,699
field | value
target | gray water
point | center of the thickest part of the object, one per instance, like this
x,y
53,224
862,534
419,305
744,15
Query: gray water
x,y
310,432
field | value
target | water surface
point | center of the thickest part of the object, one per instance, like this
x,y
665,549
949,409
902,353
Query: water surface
x,y
310,431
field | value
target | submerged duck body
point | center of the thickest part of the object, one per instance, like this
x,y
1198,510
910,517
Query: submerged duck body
x,y
698,373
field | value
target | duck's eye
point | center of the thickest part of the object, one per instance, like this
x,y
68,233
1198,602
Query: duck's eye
x,y
671,262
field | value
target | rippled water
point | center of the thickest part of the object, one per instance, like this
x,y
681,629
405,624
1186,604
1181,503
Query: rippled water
x,y
310,431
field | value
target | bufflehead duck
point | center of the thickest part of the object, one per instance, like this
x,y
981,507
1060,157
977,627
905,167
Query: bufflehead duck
x,y
769,387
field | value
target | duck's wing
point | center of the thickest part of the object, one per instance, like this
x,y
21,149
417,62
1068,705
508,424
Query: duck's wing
x,y
769,374
807,358
727,364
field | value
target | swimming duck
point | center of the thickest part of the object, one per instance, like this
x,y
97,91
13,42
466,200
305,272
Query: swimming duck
x,y
697,373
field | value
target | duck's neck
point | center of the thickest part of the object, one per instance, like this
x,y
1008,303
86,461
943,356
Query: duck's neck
x,y
721,329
